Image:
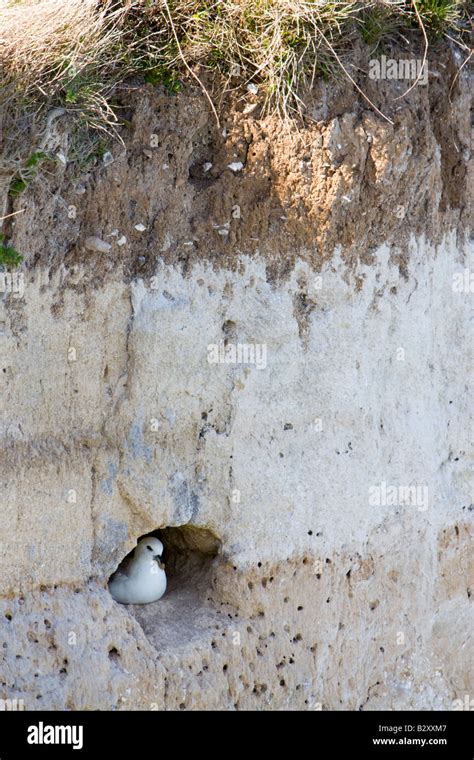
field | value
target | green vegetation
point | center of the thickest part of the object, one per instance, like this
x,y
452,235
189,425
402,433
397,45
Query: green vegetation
x,y
26,174
165,76
73,55
9,256
440,15
378,24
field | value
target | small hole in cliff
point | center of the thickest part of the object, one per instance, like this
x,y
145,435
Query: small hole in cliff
x,y
190,555
114,654
229,329
8,615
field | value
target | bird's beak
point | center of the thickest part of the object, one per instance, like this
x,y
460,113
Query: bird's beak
x,y
157,557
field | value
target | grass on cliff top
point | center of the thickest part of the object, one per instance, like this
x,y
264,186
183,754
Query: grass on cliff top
x,y
60,56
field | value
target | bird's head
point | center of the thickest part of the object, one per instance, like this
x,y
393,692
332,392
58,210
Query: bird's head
x,y
149,547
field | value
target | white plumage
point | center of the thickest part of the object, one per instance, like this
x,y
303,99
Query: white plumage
x,y
142,579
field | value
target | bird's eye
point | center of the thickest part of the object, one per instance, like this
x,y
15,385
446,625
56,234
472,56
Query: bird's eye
x,y
150,549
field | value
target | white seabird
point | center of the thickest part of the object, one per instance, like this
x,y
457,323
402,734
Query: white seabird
x,y
142,579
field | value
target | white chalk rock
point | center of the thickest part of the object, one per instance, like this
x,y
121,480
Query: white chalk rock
x,y
97,244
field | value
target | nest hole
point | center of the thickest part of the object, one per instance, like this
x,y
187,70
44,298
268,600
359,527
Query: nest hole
x,y
189,557
189,552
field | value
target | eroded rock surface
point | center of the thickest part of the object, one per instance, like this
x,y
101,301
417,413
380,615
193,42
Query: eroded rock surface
x,y
331,257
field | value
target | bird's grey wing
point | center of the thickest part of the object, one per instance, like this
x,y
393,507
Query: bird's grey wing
x,y
115,576
123,568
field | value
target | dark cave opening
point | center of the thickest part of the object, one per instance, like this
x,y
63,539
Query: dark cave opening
x,y
183,612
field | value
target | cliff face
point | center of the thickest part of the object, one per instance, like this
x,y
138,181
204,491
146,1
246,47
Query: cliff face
x,y
270,359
